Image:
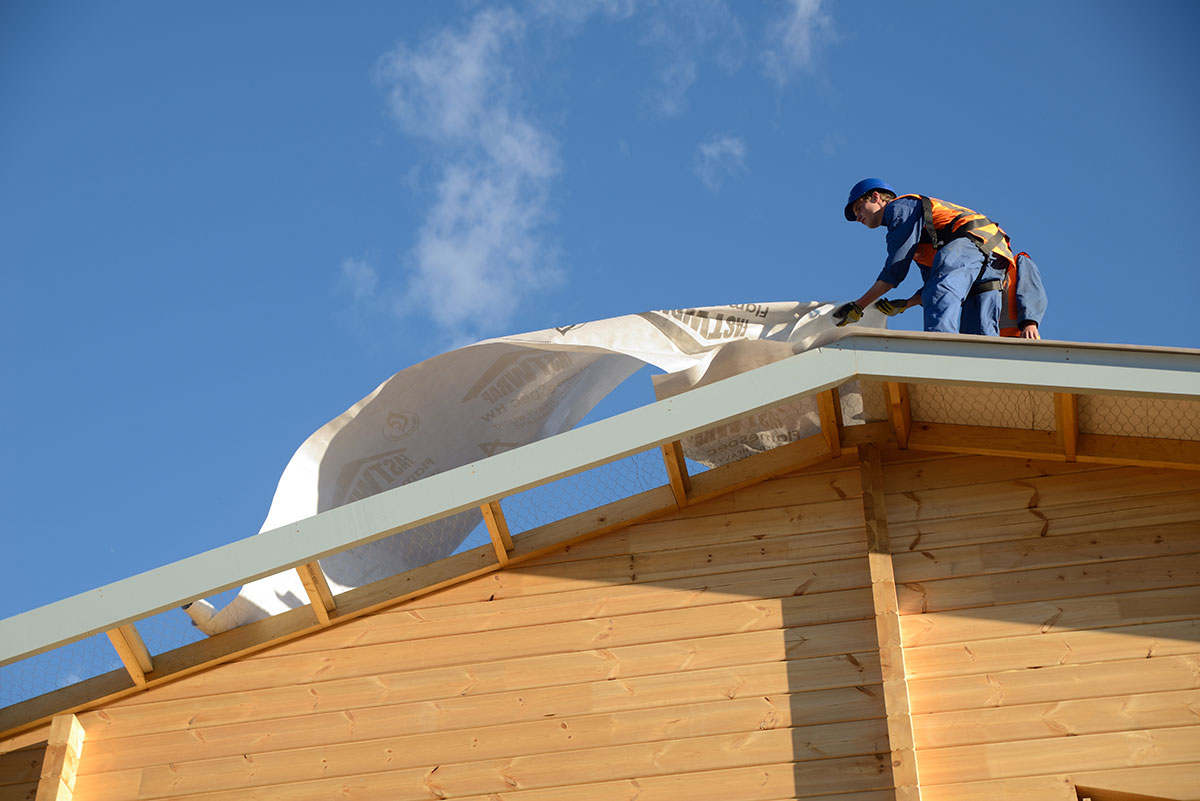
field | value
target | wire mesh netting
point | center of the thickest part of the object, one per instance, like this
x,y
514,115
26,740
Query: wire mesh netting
x,y
1139,417
982,406
586,490
862,402
60,667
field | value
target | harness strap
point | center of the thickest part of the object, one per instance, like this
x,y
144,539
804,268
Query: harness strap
x,y
993,285
934,234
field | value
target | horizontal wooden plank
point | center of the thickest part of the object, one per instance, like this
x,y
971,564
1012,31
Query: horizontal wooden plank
x,y
1060,648
402,628
1096,448
687,663
460,771
19,792
1040,492
599,600
943,471
622,570
841,779
22,765
1130,712
1133,542
501,741
760,783
1078,581
1180,745
1146,451
460,775
670,625
1165,781
1094,515
1036,493
712,530
26,738
1071,614
1058,683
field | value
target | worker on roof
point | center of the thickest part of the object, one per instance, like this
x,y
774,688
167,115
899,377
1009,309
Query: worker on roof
x,y
964,259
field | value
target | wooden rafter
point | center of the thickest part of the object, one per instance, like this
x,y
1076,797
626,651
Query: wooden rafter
x,y
61,762
319,594
133,652
1066,421
899,412
497,528
677,472
829,409
887,627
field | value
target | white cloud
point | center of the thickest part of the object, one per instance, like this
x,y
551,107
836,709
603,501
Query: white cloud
x,y
479,253
794,38
684,33
719,158
360,278
577,12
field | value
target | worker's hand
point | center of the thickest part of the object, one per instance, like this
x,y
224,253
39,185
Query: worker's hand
x,y
891,307
848,313
1030,331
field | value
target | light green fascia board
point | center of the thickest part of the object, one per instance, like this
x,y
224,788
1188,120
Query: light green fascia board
x,y
884,356
1013,363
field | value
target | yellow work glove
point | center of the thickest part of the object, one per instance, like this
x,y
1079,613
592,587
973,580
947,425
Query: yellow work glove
x,y
848,313
891,307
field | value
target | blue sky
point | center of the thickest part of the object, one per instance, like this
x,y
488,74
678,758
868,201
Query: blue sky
x,y
221,224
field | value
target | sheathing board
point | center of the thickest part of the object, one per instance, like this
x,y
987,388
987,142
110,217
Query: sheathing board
x,y
1049,622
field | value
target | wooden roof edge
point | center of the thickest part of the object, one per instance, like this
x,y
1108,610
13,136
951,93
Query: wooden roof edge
x,y
895,356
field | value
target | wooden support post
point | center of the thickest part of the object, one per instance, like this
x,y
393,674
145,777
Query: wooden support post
x,y
319,594
133,652
887,627
61,762
899,412
829,408
1066,419
497,527
677,473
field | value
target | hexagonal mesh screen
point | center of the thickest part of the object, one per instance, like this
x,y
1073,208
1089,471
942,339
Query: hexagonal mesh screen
x,y
982,406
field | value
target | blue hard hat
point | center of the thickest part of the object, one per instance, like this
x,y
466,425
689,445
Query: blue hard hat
x,y
863,187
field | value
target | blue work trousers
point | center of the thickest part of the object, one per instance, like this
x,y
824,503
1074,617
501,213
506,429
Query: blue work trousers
x,y
946,295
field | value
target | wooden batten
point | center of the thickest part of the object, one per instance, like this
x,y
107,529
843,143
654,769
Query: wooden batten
x,y
677,472
60,765
497,526
133,652
829,409
1029,444
1066,422
899,411
319,594
887,625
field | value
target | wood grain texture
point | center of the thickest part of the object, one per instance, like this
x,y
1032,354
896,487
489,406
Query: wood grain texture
x,y
1045,617
1058,683
1076,581
1133,711
1089,752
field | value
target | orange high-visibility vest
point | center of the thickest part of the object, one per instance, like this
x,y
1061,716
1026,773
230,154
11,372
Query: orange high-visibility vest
x,y
946,221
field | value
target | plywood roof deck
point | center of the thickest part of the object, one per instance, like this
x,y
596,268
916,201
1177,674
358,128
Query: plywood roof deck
x,y
938,393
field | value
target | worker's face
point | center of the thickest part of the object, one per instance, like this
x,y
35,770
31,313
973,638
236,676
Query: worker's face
x,y
868,209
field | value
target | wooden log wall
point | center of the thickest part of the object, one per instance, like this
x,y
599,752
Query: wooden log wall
x,y
20,770
1051,624
725,652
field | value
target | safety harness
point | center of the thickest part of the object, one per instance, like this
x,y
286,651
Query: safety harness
x,y
945,222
